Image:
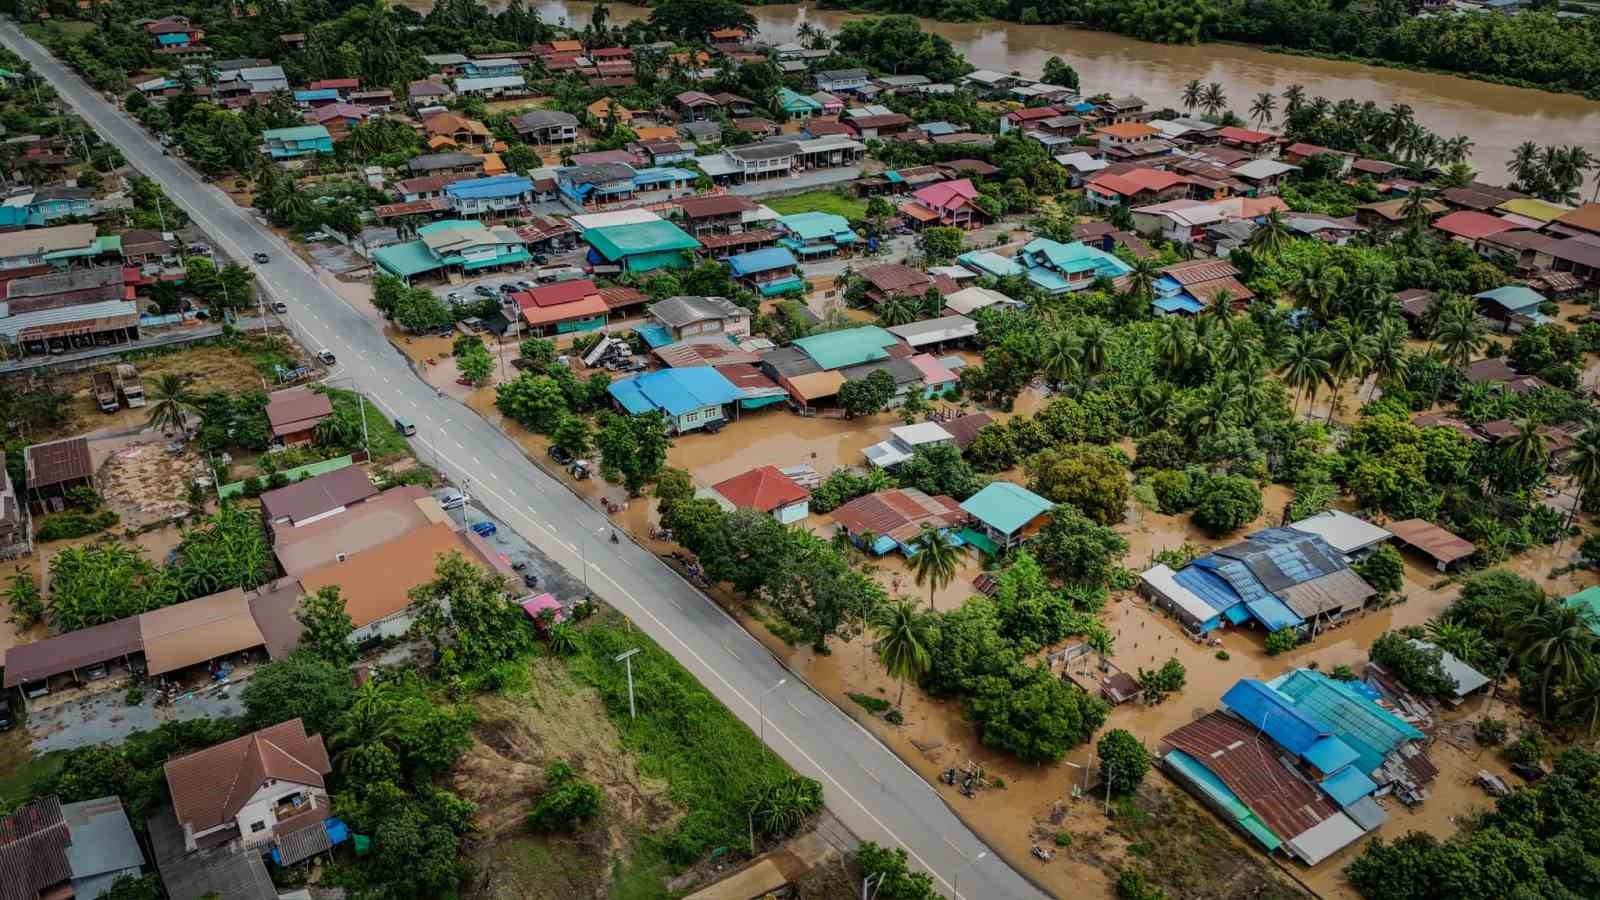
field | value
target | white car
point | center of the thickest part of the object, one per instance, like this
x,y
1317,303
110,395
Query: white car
x,y
326,357
453,499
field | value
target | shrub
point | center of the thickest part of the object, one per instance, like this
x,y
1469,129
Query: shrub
x,y
1281,641
567,802
1063,839
1384,569
871,703
1226,503
1530,749
1342,672
1418,668
1223,655
74,524
1169,679
1490,732
133,697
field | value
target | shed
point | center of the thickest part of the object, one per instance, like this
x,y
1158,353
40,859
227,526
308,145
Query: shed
x,y
936,331
1160,584
1445,548
1466,678
294,414
41,660
187,634
536,606
1345,533
54,467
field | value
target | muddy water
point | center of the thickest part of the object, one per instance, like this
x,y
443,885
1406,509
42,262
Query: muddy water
x,y
1497,118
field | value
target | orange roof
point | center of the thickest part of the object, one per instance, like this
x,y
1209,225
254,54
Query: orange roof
x,y
1128,131
600,108
586,308
567,46
729,34
493,164
450,123
764,489
1585,218
439,140
1244,135
374,582
1135,180
656,133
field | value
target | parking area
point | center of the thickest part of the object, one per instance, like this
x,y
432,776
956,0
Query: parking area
x,y
492,281
539,574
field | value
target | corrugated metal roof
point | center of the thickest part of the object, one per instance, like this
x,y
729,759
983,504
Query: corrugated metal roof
x,y
102,839
33,845
190,633
73,650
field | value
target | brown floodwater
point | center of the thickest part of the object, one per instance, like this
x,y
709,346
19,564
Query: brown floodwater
x,y
1496,117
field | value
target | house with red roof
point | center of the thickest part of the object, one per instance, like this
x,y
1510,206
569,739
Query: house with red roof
x,y
1259,144
1135,187
1470,226
562,308
343,85
1018,119
946,203
766,489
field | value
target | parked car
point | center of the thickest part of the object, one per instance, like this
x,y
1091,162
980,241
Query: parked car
x,y
559,455
1528,773
483,290
455,297
261,258
452,499
326,357
484,529
316,236
405,427
280,307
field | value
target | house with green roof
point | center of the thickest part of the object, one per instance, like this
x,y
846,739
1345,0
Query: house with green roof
x,y
812,235
798,105
641,246
1004,515
454,244
849,347
294,143
1587,602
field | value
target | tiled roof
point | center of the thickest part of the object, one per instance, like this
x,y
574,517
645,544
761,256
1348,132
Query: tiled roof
x,y
763,488
210,787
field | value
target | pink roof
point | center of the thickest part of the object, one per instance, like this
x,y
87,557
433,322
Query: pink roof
x,y
933,372
1036,112
323,114
1472,224
947,194
1244,135
1135,180
533,606
557,294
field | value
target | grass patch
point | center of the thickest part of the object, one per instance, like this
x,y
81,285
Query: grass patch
x,y
870,703
644,877
1180,848
20,770
383,440
820,201
683,736
41,32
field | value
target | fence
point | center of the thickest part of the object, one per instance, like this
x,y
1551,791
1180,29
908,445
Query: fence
x,y
306,471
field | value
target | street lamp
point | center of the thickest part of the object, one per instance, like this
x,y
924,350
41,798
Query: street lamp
x,y
626,658
761,707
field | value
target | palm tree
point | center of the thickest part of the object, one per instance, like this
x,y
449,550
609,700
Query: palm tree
x,y
1213,98
897,310
1459,640
1458,334
1351,350
1417,209
1524,164
1524,449
1192,92
1095,337
1582,702
370,718
1174,342
936,561
1388,352
1062,359
1294,97
1317,287
1261,110
1558,641
1583,465
1305,365
902,638
1271,236
172,402
1142,278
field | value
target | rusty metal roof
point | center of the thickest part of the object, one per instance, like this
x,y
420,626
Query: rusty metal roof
x,y
899,513
1433,540
58,461
1247,763
33,851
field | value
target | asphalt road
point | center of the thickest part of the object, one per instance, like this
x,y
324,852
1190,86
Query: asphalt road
x,y
867,786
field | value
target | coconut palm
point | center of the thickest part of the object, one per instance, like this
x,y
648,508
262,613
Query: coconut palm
x,y
1351,350
1192,92
1459,640
1142,278
370,718
1174,342
1524,164
902,636
1417,208
897,310
171,403
1317,287
1305,365
1459,335
1388,352
1558,642
1213,98
1294,97
1583,466
1062,359
1262,108
1271,236
936,561
1095,338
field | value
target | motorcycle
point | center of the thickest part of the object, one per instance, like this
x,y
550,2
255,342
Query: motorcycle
x,y
1041,853
949,777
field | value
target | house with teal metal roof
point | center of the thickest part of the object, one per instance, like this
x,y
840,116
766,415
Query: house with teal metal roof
x,y
798,105
770,271
1587,601
690,398
1004,515
849,347
1060,268
453,244
1511,300
812,235
294,143
641,247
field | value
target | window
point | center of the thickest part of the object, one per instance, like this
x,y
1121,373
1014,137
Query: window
x,y
256,827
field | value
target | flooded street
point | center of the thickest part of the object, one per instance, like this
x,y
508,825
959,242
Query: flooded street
x,y
1496,117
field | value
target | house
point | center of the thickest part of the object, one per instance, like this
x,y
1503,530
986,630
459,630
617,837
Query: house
x,y
1514,304
329,494
679,318
312,545
294,414
546,126
1444,548
696,106
247,788
492,87
888,280
297,142
969,300
904,442
1019,119
1192,287
691,398
880,125
1135,187
936,332
1470,226
257,79
836,81
1004,515
1262,175
53,469
424,94
845,348
1125,134
338,118
56,202
640,247
948,203
604,109
1054,266
756,162
378,100
1259,144
1583,220
562,308
448,129
50,849
816,234
1121,109
1578,257
716,213
306,99
989,83
766,489
1387,216
1352,537
595,184
64,311
797,105
497,196
893,519
769,272
453,245
374,582
1080,166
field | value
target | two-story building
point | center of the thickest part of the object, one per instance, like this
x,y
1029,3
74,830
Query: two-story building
x,y
546,126
947,203
591,186
452,245
769,272
680,318
289,144
499,196
814,235
1136,187
246,789
836,81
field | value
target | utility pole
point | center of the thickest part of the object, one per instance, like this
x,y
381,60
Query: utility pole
x,y
626,658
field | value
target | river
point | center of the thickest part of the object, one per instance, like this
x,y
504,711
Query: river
x,y
1496,117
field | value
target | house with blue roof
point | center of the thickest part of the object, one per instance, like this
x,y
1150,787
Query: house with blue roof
x,y
497,195
813,235
664,182
1512,301
1278,578
322,97
1004,515
769,272
284,144
453,245
690,398
1061,268
597,184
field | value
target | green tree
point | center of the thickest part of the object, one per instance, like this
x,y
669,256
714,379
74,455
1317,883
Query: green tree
x,y
172,403
693,20
941,244
1032,713
24,600
1384,569
1057,72
1418,668
568,800
1281,641
940,469
301,686
574,436
419,310
468,617
476,367
936,562
1094,479
533,401
1226,503
901,638
1558,641
326,627
890,875
1077,548
867,396
1123,761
